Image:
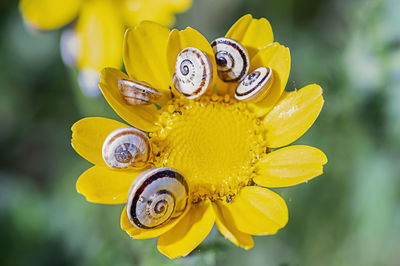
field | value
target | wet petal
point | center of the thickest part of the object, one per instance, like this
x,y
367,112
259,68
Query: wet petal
x,y
189,232
88,135
290,166
293,115
100,32
145,48
139,233
258,211
140,116
227,228
49,14
253,34
277,57
189,37
104,185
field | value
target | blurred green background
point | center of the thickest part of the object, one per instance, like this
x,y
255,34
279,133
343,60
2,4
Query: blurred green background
x,y
348,216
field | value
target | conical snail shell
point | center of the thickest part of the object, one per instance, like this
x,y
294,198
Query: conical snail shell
x,y
156,196
255,86
193,73
232,59
137,92
126,147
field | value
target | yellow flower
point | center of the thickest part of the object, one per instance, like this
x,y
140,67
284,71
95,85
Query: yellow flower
x,y
224,148
98,35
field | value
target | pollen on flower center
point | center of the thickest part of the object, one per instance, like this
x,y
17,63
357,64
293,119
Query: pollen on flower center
x,y
214,142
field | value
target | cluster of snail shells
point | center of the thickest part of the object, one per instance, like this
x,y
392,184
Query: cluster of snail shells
x,y
157,196
233,65
137,92
194,72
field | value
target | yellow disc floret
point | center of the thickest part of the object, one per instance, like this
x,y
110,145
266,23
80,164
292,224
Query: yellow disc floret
x,y
214,142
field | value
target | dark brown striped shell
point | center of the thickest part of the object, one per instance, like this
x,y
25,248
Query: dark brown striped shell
x,y
232,60
157,196
126,147
254,86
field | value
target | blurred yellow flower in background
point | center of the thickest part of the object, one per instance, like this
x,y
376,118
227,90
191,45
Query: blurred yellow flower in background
x,y
96,40
213,153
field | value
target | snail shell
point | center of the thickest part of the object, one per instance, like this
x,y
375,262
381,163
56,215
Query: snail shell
x,y
137,92
157,195
126,147
255,85
193,73
232,60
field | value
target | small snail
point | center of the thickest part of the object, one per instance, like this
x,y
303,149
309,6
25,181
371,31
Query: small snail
x,y
137,92
193,73
126,147
157,195
255,85
232,60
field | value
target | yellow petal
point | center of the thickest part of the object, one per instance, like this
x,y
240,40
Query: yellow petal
x,y
189,232
100,32
49,14
104,185
140,116
160,11
277,57
178,5
253,34
189,37
258,211
227,228
293,115
138,233
290,166
88,135
145,59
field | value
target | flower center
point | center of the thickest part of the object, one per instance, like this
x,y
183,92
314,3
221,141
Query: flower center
x,y
214,142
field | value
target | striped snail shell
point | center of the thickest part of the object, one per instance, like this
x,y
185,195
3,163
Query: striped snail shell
x,y
137,92
193,73
125,147
255,86
232,60
156,196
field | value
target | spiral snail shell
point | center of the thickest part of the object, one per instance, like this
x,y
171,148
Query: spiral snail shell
x,y
193,73
137,92
232,60
255,85
126,147
156,196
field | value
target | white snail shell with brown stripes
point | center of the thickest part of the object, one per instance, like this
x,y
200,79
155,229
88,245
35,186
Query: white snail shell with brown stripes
x,y
254,86
193,73
126,147
137,92
232,60
156,196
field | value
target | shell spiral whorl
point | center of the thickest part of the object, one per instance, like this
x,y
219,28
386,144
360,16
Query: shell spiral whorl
x,y
255,85
126,147
193,73
137,92
156,196
232,60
